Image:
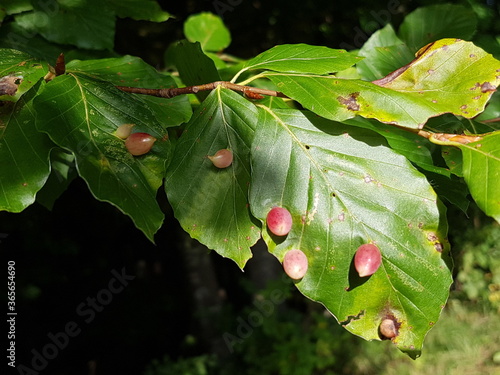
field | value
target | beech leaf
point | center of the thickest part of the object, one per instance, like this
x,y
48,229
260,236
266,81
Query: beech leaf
x,y
448,76
344,188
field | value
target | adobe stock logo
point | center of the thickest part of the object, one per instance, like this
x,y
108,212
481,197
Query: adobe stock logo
x,y
86,310
222,6
255,318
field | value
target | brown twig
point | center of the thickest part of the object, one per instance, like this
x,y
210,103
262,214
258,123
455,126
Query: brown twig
x,y
445,138
497,119
251,92
257,93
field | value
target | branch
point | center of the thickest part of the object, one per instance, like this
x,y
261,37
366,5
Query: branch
x,y
248,91
446,139
497,119
257,93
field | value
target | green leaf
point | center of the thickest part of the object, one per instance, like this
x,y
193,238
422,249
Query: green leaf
x,y
147,10
85,24
449,76
15,37
453,158
16,6
428,24
451,189
24,153
481,170
301,58
81,114
383,53
18,72
492,111
211,204
63,171
209,30
134,72
344,188
414,147
195,68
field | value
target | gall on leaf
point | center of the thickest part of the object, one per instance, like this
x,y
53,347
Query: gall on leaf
x,y
139,143
295,264
367,259
279,221
124,130
222,158
388,328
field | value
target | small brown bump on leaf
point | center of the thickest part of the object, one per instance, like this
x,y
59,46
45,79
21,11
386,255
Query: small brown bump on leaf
x,y
9,84
439,247
350,102
488,87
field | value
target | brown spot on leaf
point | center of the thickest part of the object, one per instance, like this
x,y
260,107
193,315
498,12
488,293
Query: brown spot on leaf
x,y
432,236
488,87
350,102
9,84
439,247
475,86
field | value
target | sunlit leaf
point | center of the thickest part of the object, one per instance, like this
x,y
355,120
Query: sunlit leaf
x,y
481,170
209,30
448,76
210,203
344,187
302,58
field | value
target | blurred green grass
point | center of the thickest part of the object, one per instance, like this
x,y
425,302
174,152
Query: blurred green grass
x,y
465,341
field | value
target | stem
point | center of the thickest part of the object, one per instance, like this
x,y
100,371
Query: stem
x,y
445,139
497,119
251,92
257,93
